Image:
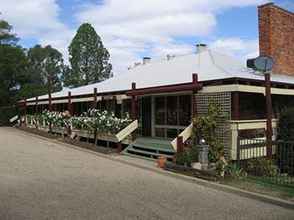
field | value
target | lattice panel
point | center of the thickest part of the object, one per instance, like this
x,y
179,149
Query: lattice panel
x,y
223,100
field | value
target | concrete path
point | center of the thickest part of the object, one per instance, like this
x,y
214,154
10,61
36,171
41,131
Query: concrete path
x,y
41,179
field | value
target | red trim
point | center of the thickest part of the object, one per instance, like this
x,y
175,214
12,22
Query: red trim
x,y
164,89
184,85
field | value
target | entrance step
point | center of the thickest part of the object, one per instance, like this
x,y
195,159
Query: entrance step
x,y
150,148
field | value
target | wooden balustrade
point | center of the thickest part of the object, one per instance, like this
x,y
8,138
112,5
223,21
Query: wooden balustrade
x,y
185,135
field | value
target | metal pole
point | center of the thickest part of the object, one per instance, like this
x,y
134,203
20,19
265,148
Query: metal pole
x,y
269,131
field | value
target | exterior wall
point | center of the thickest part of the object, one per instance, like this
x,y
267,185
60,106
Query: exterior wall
x,y
276,37
223,100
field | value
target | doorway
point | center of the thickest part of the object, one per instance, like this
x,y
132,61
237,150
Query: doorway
x,y
146,116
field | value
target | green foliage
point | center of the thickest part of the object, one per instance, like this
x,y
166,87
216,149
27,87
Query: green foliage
x,y
45,63
188,156
184,159
205,127
88,57
6,37
235,171
286,125
6,113
261,167
13,73
285,148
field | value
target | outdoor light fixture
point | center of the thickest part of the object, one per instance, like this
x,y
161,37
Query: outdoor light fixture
x,y
202,141
262,64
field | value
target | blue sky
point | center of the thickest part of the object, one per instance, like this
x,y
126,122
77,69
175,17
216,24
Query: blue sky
x,y
131,29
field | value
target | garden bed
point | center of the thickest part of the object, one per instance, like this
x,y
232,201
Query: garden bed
x,y
89,146
189,171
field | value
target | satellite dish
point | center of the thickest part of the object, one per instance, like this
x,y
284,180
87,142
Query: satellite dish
x,y
264,63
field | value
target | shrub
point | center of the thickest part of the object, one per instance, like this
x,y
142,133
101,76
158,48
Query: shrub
x,y
285,148
184,158
286,125
261,167
234,171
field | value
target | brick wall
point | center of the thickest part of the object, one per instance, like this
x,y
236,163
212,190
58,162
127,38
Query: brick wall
x,y
276,37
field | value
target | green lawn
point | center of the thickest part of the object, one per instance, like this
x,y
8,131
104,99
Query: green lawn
x,y
264,186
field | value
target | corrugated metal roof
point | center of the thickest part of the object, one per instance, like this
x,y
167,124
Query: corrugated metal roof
x,y
208,64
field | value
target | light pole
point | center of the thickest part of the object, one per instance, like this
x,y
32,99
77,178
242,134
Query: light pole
x,y
269,129
264,64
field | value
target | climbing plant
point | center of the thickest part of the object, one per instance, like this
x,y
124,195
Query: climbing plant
x,y
204,127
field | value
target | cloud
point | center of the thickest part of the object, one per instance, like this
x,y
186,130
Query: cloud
x,y
152,27
38,19
130,29
237,47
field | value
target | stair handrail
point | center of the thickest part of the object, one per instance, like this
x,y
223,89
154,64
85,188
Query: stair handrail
x,y
13,119
186,134
127,131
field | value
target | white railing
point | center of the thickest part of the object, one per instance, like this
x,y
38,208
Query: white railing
x,y
239,125
186,134
13,119
127,131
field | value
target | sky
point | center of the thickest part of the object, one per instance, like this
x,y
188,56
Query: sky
x,y
132,29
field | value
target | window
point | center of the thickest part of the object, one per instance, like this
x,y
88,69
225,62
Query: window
x,y
172,115
184,110
171,108
160,111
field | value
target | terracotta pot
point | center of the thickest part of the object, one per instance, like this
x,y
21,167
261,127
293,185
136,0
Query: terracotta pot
x,y
161,161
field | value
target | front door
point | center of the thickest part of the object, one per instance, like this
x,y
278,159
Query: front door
x,y
146,116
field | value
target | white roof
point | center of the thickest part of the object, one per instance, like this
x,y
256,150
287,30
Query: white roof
x,y
208,64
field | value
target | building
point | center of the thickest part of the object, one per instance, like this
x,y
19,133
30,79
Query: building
x,y
164,95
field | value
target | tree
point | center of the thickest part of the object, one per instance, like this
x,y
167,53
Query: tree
x,y
45,63
88,57
13,65
13,73
6,37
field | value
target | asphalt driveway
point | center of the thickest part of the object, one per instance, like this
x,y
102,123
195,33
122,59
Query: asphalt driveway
x,y
40,179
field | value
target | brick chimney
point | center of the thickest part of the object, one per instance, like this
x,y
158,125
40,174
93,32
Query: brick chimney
x,y
276,37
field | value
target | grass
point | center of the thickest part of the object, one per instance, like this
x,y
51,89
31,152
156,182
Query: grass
x,y
262,185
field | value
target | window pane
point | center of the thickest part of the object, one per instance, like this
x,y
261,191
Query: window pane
x,y
185,110
172,115
160,110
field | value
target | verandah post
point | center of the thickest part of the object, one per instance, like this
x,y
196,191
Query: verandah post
x,y
134,105
95,99
50,102
36,112
94,106
235,106
25,112
69,105
194,101
180,145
